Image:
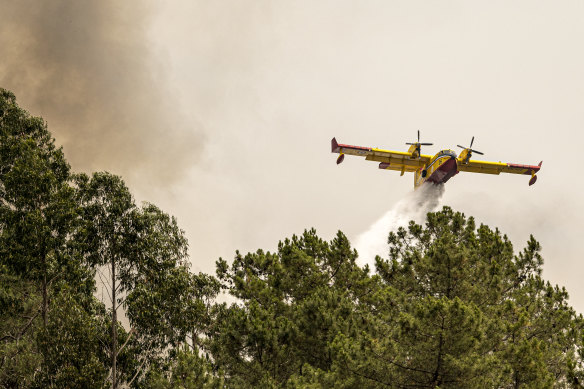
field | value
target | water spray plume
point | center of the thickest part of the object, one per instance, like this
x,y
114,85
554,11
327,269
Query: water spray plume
x,y
414,206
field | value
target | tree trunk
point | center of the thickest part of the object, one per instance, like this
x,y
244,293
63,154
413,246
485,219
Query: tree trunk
x,y
44,307
114,328
436,379
44,293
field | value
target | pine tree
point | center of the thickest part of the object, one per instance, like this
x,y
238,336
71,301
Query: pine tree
x,y
451,307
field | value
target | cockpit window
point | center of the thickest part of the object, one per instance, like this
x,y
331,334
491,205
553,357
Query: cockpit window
x,y
447,152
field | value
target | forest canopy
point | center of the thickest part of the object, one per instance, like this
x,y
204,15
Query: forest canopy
x,y
451,304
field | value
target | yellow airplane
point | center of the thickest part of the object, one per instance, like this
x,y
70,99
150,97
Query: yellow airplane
x,y
438,168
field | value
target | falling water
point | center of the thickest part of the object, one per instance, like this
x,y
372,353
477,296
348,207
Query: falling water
x,y
414,206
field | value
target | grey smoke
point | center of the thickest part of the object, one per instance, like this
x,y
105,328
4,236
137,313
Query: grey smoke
x,y
88,68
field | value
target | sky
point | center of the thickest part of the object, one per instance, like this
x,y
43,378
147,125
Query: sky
x,y
222,112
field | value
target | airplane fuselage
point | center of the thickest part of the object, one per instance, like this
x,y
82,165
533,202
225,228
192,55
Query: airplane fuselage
x,y
439,170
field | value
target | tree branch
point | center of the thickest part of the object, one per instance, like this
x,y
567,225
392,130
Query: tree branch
x,y
23,330
104,283
138,372
126,342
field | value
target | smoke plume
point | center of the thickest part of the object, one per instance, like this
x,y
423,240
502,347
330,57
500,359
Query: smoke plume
x,y
414,207
88,68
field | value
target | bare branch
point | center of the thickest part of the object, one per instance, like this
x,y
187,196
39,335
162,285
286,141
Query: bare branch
x,y
120,304
118,287
104,283
138,372
59,274
107,277
126,342
23,330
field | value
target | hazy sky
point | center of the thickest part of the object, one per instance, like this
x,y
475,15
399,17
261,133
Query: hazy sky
x,y
221,112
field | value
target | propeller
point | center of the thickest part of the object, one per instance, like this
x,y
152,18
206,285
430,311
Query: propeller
x,y
470,147
419,145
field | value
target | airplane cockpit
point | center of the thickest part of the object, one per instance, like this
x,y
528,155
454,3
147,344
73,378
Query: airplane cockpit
x,y
446,152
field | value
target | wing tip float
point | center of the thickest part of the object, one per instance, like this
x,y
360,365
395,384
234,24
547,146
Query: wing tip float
x,y
533,178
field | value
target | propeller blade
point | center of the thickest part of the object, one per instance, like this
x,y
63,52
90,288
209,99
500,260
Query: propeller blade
x,y
478,152
418,144
462,147
472,140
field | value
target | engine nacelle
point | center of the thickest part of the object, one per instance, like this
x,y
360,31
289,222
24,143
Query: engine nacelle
x,y
464,156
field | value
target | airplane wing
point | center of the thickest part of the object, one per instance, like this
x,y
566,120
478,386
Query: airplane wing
x,y
390,160
497,167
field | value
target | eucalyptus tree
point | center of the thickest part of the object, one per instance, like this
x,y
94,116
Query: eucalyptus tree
x,y
109,240
141,255
56,229
74,356
165,301
38,218
37,203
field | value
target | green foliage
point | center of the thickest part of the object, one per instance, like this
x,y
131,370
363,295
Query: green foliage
x,y
144,252
37,204
294,303
71,345
38,217
188,370
19,306
451,306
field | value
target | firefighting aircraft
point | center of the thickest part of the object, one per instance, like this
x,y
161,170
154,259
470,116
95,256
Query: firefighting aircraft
x,y
438,168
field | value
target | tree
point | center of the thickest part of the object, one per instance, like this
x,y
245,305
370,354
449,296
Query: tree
x,y
56,229
166,304
109,239
71,344
451,307
37,204
19,312
141,254
38,217
293,304
187,370
469,313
